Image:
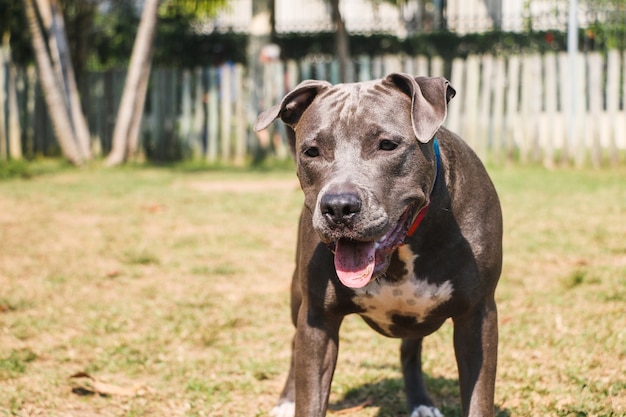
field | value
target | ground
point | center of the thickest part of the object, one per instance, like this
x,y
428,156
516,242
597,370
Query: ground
x,y
167,293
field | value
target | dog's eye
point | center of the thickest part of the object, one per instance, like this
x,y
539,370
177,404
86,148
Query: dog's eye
x,y
312,152
387,145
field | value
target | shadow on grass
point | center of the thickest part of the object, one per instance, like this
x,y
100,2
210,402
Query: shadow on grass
x,y
388,395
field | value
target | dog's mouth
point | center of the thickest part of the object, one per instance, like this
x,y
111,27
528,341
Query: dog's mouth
x,y
357,262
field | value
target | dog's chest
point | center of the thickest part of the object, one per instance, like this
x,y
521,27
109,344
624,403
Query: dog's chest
x,y
403,300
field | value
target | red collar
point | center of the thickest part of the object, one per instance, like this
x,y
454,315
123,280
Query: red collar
x,y
422,213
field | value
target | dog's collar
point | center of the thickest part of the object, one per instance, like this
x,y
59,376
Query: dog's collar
x,y
422,213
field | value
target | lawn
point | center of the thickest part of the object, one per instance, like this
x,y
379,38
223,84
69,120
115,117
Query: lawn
x,y
164,292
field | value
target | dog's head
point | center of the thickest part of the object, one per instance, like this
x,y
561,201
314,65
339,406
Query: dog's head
x,y
365,161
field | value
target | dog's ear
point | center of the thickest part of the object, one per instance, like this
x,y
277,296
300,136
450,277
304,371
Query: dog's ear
x,y
292,105
429,102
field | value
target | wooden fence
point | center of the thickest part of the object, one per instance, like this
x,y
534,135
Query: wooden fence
x,y
507,108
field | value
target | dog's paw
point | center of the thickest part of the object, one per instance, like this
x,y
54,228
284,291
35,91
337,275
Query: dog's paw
x,y
426,411
286,409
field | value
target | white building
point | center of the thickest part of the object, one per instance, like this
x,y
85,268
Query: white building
x,y
377,16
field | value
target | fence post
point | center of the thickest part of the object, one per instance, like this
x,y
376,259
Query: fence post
x,y
436,67
365,68
470,107
454,108
564,74
421,66
198,115
497,113
580,93
512,128
157,109
377,67
484,117
550,123
334,71
213,114
305,69
392,63
240,116
530,106
595,106
292,77
321,71
184,119
612,104
226,111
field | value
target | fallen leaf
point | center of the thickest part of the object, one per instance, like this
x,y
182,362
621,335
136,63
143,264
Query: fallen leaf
x,y
88,385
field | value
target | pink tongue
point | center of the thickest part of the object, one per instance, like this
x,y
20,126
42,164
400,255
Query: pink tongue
x,y
354,262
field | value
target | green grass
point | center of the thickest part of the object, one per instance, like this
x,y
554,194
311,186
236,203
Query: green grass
x,y
176,280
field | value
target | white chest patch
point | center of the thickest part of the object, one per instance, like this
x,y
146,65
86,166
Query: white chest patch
x,y
408,297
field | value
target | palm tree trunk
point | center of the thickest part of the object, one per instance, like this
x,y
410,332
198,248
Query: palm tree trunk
x,y
13,123
53,95
126,131
52,19
77,117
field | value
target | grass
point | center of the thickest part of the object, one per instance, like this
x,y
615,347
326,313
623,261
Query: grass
x,y
176,280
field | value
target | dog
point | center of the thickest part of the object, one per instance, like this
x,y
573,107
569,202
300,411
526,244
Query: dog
x,y
401,225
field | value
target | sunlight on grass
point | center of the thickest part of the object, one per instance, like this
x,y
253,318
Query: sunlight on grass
x,y
178,280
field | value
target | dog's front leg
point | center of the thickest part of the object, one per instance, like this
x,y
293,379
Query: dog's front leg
x,y
316,347
476,349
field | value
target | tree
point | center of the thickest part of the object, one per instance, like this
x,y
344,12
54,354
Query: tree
x,y
57,80
126,132
342,41
262,30
130,112
10,147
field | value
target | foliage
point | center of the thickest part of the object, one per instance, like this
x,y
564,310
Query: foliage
x,y
13,23
177,46
447,45
114,36
196,9
15,169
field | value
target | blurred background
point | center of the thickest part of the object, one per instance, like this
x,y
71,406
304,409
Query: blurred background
x,y
538,81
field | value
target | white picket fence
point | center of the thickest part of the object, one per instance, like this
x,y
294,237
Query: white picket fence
x,y
508,108
523,107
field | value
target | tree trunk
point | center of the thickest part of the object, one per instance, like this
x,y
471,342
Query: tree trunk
x,y
52,92
13,122
126,132
79,123
260,30
52,19
342,42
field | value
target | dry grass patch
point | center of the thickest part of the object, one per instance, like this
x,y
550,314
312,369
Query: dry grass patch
x,y
175,285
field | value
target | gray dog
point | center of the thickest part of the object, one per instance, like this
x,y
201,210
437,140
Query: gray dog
x,y
401,225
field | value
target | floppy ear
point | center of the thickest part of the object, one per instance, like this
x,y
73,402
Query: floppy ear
x,y
429,102
292,105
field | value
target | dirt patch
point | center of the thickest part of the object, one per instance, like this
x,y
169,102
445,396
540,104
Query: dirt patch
x,y
234,186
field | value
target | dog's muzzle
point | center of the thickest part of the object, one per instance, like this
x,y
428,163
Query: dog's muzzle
x,y
358,261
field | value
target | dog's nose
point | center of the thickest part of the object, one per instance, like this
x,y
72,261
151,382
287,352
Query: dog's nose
x,y
340,208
